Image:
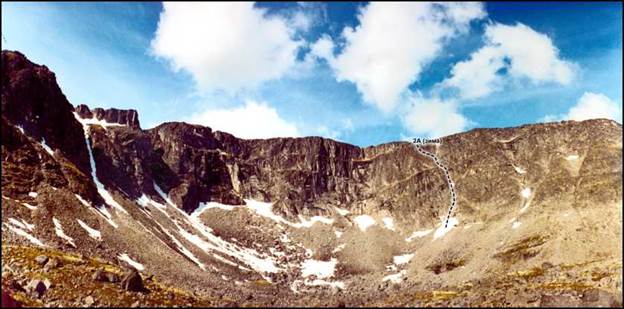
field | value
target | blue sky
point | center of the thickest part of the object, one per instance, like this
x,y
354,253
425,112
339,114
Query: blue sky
x,y
357,72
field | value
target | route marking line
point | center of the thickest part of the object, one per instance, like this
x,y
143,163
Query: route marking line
x,y
448,180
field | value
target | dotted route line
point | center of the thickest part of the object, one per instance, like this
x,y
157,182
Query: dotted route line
x,y
448,180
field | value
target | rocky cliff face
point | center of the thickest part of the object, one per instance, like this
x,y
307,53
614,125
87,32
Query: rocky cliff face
x,y
267,209
128,118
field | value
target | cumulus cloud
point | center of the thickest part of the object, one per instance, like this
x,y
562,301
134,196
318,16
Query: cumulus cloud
x,y
594,105
393,42
519,51
226,46
590,106
432,117
253,120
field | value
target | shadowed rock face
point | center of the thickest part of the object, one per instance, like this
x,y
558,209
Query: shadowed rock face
x,y
32,100
129,118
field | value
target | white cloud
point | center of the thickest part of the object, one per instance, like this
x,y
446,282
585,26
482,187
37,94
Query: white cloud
x,y
520,50
392,44
323,48
226,46
253,120
307,15
594,105
477,76
590,106
432,117
532,54
326,132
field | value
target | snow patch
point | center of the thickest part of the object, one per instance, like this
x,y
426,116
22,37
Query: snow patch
x,y
133,263
25,234
83,201
364,222
265,209
93,233
572,157
441,231
395,278
31,207
402,259
46,147
526,192
515,225
309,223
338,233
163,195
184,250
340,211
418,234
145,200
319,282
320,269
33,194
21,129
388,223
519,170
205,206
103,212
101,122
58,228
22,224
246,255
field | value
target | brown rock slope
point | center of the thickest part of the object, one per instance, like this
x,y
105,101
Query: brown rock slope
x,y
311,221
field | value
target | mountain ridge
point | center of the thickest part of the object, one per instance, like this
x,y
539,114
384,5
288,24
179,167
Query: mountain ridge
x,y
306,215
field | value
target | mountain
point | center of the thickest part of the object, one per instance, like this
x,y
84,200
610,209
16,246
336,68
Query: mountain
x,y
311,221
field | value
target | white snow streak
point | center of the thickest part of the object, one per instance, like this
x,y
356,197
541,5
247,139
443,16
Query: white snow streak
x,y
33,194
108,198
93,233
46,147
23,224
205,206
31,207
25,234
184,250
58,228
133,263
418,234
